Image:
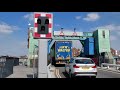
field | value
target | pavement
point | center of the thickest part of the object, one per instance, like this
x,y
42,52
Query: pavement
x,y
21,72
27,72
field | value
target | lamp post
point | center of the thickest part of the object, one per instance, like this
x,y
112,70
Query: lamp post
x,y
34,59
29,24
61,33
28,61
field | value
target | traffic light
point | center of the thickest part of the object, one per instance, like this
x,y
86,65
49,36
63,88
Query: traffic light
x,y
43,25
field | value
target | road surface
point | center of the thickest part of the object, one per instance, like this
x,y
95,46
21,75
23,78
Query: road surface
x,y
101,73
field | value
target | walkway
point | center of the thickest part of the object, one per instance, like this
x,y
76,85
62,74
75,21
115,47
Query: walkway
x,y
21,72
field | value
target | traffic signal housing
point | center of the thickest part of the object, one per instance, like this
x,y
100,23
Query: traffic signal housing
x,y
43,25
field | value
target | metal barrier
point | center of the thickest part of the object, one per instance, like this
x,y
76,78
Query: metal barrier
x,y
110,65
48,71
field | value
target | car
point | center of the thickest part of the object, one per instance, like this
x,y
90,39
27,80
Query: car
x,y
81,66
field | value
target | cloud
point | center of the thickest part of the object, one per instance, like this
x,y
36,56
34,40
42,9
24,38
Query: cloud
x,y
112,37
7,29
57,25
111,27
77,17
15,47
29,16
92,17
77,44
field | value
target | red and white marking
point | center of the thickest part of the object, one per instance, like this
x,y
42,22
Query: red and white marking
x,y
37,35
61,33
74,34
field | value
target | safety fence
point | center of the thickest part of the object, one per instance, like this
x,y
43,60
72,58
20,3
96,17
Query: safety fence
x,y
114,66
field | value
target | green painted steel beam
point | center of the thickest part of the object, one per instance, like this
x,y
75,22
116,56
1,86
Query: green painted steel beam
x,y
88,34
70,37
80,38
82,42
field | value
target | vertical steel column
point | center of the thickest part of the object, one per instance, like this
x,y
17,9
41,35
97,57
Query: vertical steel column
x,y
42,58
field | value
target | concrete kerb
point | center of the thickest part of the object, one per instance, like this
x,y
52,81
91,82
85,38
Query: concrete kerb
x,y
110,69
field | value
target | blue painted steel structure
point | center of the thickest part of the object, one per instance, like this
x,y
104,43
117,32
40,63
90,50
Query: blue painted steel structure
x,y
89,46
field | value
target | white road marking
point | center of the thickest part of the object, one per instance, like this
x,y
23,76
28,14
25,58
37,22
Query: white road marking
x,y
57,73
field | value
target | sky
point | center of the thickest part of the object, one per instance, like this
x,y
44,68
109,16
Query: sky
x,y
14,28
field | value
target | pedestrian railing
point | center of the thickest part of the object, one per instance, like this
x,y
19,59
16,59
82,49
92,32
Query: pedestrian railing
x,y
49,71
115,66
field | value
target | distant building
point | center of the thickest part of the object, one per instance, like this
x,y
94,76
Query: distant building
x,y
6,65
75,52
118,52
23,60
115,52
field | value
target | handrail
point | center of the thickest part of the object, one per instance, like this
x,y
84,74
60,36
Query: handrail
x,y
108,65
48,71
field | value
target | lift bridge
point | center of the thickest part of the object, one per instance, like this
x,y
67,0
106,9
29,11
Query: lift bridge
x,y
69,35
101,38
102,47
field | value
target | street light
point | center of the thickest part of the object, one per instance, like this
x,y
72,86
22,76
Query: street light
x,y
29,24
61,33
62,28
74,29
